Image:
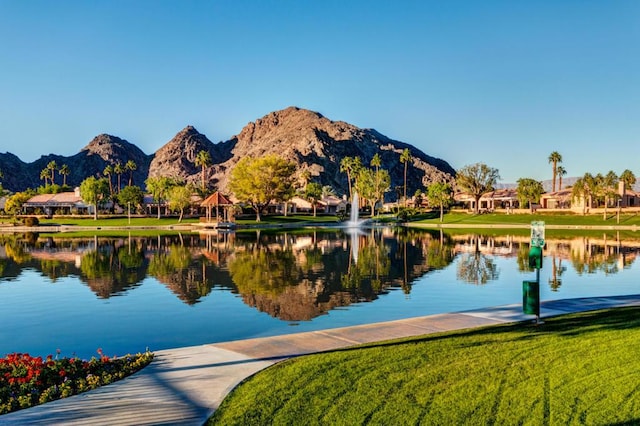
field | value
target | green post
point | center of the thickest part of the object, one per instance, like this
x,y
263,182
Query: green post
x,y
531,298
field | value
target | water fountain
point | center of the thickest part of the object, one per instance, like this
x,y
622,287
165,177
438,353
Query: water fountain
x,y
353,226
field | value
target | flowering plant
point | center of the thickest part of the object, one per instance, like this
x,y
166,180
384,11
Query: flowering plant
x,y
26,381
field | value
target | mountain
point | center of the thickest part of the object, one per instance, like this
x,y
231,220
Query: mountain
x,y
315,143
318,144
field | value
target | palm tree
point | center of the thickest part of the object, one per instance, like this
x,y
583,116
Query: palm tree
x,y
608,182
52,167
350,166
108,171
628,178
44,175
131,166
64,171
560,171
405,157
554,159
118,169
203,159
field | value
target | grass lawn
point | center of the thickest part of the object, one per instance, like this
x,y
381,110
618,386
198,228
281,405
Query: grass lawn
x,y
118,221
269,220
454,218
574,369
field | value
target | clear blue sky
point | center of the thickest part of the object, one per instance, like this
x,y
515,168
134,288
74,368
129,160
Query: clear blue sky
x,y
500,82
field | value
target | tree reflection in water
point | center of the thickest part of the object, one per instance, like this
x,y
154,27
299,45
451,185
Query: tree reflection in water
x,y
475,267
293,276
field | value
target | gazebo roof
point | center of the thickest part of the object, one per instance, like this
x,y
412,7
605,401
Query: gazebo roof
x,y
216,199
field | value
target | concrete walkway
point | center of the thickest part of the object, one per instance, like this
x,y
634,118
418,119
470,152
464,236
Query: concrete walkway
x,y
185,386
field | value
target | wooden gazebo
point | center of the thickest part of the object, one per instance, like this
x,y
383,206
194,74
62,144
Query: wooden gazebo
x,y
216,200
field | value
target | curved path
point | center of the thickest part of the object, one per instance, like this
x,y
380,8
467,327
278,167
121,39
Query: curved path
x,y
185,386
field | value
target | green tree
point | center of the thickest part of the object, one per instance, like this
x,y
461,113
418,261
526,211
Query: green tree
x,y
52,167
560,171
131,196
44,175
609,189
313,193
584,189
180,198
158,187
14,203
405,158
130,166
628,178
93,191
371,185
476,179
259,181
64,171
440,194
554,159
203,160
118,169
108,172
529,191
350,166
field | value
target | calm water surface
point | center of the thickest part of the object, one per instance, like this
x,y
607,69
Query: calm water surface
x,y
125,294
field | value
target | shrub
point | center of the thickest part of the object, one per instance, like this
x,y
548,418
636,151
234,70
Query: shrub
x,y
26,381
31,221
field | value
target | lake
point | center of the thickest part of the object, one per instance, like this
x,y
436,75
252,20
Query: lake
x,y
126,293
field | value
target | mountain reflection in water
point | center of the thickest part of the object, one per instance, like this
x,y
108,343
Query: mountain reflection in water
x,y
294,276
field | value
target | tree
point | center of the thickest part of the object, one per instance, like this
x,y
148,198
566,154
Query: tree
x,y
93,191
259,181
313,193
350,166
529,191
130,196
130,166
203,159
180,198
628,178
440,194
64,171
554,159
52,167
371,185
158,187
405,157
560,171
44,175
584,189
108,171
608,188
118,169
14,203
476,179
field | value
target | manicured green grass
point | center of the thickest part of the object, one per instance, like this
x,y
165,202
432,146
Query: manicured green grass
x,y
268,220
574,369
526,219
118,221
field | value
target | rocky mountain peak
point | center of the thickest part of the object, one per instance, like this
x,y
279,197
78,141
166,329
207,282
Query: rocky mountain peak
x,y
177,157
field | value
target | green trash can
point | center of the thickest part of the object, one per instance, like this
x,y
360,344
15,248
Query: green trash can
x,y
531,297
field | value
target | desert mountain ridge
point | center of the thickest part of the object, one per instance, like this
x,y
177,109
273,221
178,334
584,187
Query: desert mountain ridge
x,y
315,143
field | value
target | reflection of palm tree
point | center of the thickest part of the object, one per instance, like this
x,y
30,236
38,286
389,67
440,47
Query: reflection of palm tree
x,y
556,272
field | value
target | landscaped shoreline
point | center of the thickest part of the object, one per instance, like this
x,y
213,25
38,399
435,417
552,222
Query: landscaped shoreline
x,y
453,220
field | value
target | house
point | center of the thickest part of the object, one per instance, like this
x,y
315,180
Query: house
x,y
628,197
60,203
562,199
497,199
